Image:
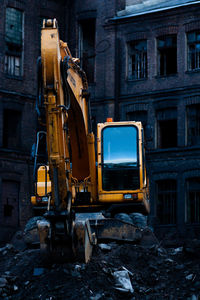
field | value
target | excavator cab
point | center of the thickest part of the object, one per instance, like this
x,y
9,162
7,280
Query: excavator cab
x,y
121,166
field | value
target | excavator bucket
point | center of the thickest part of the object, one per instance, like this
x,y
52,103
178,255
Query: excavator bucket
x,y
90,231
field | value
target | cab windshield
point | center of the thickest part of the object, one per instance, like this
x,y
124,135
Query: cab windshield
x,y
120,166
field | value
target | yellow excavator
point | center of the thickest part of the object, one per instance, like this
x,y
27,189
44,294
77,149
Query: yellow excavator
x,y
89,196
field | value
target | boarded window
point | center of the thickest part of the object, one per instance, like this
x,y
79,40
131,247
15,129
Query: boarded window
x,y
87,47
137,59
13,26
11,129
193,48
167,128
167,55
13,39
193,125
166,201
193,200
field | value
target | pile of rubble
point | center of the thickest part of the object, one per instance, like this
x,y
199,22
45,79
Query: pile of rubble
x,y
114,272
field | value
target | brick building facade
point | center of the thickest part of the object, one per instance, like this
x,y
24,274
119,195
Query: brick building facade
x,y
146,67
142,63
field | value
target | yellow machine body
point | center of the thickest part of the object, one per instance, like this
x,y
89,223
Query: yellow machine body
x,y
74,177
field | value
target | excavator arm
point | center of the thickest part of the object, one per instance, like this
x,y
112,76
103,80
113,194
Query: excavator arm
x,y
66,106
70,145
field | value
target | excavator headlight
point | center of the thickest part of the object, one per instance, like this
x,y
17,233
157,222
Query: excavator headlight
x,y
44,199
128,197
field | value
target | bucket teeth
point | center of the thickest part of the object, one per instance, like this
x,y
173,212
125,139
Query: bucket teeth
x,y
44,230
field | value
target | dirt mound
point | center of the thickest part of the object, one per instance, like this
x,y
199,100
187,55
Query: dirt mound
x,y
114,272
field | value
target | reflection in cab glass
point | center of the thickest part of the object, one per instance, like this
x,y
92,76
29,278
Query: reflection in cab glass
x,y
120,166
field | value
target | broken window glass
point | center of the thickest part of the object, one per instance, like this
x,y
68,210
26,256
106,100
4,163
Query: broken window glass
x,y
137,59
12,65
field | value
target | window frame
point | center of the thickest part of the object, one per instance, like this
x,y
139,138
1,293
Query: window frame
x,y
141,61
168,194
189,53
14,51
190,138
187,201
163,48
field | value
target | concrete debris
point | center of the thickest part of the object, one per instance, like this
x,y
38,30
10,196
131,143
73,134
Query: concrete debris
x,y
180,267
161,251
176,251
140,273
169,260
8,273
123,282
38,271
77,268
130,273
105,247
30,234
6,248
3,282
189,277
76,271
97,296
15,288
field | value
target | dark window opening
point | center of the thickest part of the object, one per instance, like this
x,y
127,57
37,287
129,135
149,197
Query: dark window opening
x,y
11,129
167,55
167,128
87,47
193,200
193,46
13,39
166,201
137,59
193,125
167,134
8,210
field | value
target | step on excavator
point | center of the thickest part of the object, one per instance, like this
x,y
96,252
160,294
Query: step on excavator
x,y
87,196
